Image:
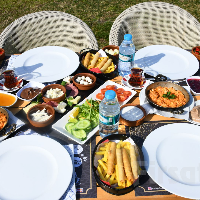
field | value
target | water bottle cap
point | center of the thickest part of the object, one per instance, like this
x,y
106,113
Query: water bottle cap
x,y
110,94
128,37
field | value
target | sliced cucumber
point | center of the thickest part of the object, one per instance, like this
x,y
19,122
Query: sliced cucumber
x,y
83,124
81,134
73,120
69,126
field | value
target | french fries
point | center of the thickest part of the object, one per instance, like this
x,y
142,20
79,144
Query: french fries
x,y
94,61
118,163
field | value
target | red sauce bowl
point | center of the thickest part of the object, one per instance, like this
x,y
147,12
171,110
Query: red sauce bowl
x,y
195,50
194,83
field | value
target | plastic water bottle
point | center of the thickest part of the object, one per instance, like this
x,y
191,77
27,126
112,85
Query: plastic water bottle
x,y
109,112
126,55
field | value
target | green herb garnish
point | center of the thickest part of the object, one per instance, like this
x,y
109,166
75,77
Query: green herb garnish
x,y
63,83
169,95
39,99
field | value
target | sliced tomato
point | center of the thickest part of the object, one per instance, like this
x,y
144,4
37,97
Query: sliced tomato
x,y
100,96
122,97
103,90
120,90
128,93
111,87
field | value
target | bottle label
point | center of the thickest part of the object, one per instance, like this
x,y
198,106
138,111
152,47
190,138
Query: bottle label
x,y
125,58
110,120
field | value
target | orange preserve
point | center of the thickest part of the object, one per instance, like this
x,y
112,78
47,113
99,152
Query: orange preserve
x,y
6,99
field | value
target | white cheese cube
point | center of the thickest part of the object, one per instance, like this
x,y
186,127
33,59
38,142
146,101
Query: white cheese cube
x,y
85,83
82,82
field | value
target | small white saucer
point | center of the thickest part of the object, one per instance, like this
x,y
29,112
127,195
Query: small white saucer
x,y
126,83
2,87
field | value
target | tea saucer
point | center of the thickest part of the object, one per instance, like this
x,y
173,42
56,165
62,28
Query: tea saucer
x,y
126,83
2,87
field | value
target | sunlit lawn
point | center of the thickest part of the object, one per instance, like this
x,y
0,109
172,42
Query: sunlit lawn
x,y
99,15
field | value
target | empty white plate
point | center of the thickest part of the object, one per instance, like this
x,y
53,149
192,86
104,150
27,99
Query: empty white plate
x,y
33,167
46,64
172,62
172,159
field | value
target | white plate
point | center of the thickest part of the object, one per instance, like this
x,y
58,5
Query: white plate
x,y
172,154
172,62
30,84
33,167
46,64
60,124
10,95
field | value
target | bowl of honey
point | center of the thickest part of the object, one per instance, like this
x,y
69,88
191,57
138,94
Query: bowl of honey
x,y
7,99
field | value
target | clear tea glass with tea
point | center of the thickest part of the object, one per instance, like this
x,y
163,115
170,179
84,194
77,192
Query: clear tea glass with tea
x,y
137,77
10,79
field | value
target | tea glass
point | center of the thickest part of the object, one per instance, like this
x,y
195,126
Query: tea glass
x,y
137,78
10,79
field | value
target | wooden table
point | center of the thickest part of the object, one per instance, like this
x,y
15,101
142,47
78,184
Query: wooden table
x,y
101,194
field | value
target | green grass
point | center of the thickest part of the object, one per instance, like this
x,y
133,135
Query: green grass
x,y
99,15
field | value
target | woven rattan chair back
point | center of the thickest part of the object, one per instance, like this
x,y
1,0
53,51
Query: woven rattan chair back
x,y
47,28
156,23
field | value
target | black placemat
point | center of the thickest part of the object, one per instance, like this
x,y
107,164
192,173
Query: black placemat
x,y
147,186
85,182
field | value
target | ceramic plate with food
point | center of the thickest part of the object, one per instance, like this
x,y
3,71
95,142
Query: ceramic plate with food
x,y
124,94
79,124
89,125
29,91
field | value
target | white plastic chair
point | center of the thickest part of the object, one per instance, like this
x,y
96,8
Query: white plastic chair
x,y
47,28
153,23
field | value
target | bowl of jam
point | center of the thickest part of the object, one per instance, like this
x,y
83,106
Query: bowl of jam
x,y
194,83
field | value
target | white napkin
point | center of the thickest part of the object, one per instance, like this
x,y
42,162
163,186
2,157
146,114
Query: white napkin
x,y
12,120
102,53
11,61
150,110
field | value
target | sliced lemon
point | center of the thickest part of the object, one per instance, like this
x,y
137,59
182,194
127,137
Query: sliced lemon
x,y
74,113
